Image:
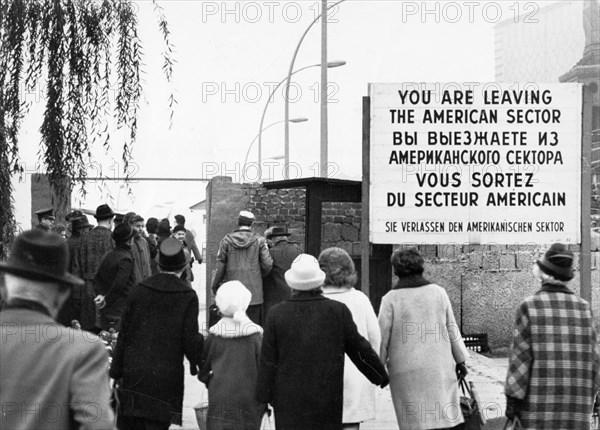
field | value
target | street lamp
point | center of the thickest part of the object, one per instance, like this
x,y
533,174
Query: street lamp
x,y
294,120
262,119
287,85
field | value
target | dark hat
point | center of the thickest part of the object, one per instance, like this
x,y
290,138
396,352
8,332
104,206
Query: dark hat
x,y
45,213
79,223
122,233
119,218
277,231
557,262
37,254
73,214
178,227
180,219
172,256
164,228
104,212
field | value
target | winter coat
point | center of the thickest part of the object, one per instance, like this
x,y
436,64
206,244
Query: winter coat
x,y
159,328
421,344
359,393
114,280
554,364
51,377
275,289
230,371
93,246
301,371
243,256
141,258
191,242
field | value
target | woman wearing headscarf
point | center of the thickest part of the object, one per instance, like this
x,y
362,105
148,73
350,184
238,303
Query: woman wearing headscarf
x,y
422,348
554,366
230,363
340,277
301,370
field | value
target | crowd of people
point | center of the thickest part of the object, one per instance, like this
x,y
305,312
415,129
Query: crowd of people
x,y
291,332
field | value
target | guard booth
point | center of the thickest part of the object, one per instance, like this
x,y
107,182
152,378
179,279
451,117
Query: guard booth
x,y
321,190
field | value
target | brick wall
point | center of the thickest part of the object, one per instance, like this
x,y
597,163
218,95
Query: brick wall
x,y
485,283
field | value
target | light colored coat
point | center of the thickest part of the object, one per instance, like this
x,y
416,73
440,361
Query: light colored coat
x,y
359,392
52,377
421,344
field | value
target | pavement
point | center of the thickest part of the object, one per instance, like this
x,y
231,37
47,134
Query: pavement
x,y
487,374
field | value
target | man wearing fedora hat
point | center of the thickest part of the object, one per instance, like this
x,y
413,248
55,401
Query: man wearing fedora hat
x,y
93,246
114,279
283,252
554,366
159,327
45,219
52,377
244,256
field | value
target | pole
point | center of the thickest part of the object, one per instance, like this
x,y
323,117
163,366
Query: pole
x,y
323,157
365,245
287,95
585,257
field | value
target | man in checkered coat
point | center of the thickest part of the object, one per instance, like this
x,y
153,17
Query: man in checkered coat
x,y
554,366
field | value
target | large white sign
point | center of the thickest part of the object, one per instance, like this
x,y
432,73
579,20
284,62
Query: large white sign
x,y
475,163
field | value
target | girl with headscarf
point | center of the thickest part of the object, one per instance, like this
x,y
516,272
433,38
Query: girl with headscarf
x,y
230,363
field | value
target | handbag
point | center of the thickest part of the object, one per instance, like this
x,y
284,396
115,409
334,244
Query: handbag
x,y
470,406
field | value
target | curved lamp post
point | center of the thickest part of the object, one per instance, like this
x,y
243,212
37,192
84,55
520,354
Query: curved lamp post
x,y
287,89
294,120
331,64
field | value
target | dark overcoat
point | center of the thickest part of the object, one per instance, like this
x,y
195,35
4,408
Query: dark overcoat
x,y
301,370
114,280
230,370
159,327
275,289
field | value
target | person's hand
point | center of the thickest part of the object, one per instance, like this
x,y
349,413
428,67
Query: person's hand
x,y
512,407
99,301
461,370
385,382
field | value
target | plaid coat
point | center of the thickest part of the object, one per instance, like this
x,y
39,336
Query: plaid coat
x,y
555,360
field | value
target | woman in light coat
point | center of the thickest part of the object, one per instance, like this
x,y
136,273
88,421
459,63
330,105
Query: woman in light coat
x,y
359,393
422,348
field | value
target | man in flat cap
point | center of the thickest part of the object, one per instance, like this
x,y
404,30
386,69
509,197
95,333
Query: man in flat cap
x,y
92,247
244,256
190,240
52,377
45,219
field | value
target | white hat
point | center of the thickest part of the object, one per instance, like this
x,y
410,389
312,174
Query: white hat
x,y
305,273
245,218
232,299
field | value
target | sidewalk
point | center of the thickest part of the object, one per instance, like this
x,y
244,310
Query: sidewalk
x,y
487,374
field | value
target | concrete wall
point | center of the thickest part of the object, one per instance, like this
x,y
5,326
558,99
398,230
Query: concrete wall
x,y
485,283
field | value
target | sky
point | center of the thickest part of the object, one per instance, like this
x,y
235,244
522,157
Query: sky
x,y
230,54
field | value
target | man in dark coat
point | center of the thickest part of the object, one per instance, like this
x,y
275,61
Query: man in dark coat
x,y
93,246
190,240
244,256
72,308
45,219
301,370
283,252
140,248
159,327
115,279
51,377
